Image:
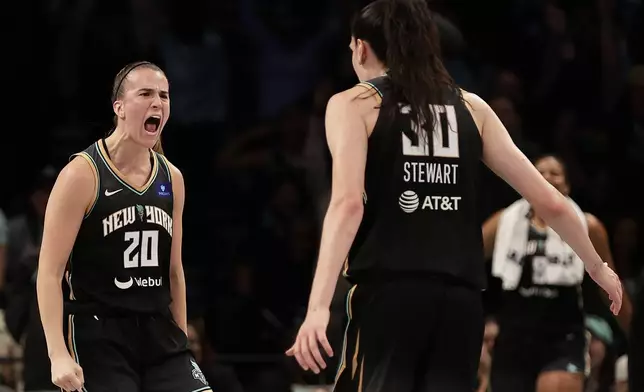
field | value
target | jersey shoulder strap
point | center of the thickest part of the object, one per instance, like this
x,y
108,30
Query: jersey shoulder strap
x,y
90,156
165,166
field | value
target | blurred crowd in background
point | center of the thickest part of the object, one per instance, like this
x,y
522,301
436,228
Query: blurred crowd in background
x,y
249,81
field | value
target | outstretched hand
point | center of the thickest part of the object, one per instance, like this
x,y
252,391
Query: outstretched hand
x,y
608,280
312,333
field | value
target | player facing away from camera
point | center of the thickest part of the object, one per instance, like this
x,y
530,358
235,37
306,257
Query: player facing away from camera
x,y
406,144
113,230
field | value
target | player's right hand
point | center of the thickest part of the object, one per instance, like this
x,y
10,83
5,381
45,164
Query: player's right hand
x,y
608,280
66,373
312,333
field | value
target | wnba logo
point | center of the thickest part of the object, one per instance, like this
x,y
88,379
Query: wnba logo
x,y
408,201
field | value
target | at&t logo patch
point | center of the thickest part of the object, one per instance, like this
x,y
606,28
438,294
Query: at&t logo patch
x,y
408,201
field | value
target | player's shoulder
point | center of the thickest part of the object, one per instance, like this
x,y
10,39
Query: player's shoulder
x,y
594,224
478,108
474,101
78,170
347,96
353,99
77,180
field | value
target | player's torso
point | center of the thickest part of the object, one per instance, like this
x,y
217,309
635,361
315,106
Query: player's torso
x,y
421,193
535,304
121,257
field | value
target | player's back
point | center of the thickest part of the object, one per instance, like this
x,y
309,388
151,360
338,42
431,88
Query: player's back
x,y
121,257
421,190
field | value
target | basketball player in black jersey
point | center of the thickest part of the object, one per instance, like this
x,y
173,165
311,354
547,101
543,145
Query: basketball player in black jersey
x,y
113,228
406,145
541,344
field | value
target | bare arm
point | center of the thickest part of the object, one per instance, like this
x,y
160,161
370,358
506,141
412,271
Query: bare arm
x,y
74,191
502,156
178,306
347,138
599,238
489,234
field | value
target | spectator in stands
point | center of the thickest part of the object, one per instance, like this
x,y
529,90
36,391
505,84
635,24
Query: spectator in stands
x,y
7,345
22,315
621,374
4,238
487,351
490,333
602,357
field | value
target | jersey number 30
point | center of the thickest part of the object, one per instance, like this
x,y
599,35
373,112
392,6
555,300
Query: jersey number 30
x,y
143,250
444,135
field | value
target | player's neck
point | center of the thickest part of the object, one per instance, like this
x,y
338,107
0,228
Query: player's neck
x,y
125,153
372,73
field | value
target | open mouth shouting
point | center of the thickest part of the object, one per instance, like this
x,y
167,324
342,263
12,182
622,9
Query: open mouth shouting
x,y
152,125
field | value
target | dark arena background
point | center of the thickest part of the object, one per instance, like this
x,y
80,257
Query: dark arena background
x,y
249,83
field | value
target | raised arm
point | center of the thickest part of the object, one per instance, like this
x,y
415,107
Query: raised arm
x,y
70,199
503,157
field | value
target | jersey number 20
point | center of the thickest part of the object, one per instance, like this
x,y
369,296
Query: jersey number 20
x,y
444,135
143,250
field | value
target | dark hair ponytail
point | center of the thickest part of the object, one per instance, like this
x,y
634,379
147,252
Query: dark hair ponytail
x,y
404,36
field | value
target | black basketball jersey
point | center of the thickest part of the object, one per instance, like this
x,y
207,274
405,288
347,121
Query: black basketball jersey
x,y
121,257
540,307
421,189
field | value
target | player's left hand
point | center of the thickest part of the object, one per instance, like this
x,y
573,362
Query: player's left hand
x,y
608,280
306,347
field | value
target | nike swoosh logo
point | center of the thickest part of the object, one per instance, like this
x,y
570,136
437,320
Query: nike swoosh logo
x,y
108,193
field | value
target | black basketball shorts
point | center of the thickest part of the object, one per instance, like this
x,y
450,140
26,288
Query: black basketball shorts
x,y
519,358
411,336
133,354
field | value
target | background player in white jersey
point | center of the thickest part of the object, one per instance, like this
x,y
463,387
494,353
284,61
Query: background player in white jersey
x,y
542,310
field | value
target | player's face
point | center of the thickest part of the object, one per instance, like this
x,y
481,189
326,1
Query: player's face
x,y
552,170
145,105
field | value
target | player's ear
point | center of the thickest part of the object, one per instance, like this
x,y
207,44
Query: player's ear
x,y
117,106
361,51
